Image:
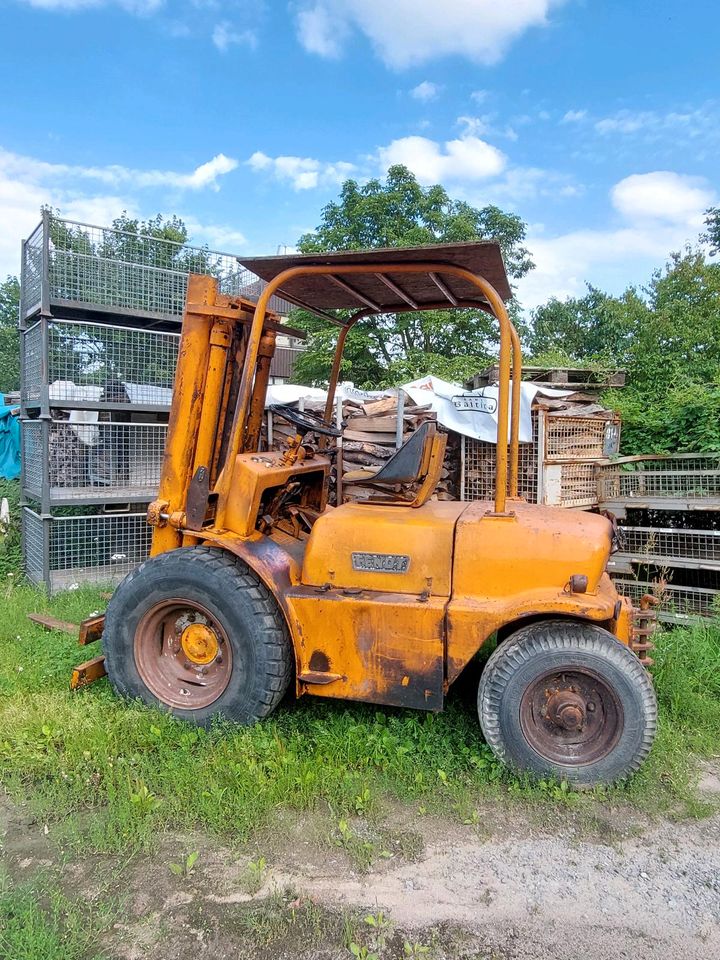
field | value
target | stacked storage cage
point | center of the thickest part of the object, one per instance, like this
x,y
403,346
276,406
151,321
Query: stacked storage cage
x,y
668,511
100,316
558,467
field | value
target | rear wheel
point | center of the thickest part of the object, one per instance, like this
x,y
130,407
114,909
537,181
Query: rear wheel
x,y
568,700
195,632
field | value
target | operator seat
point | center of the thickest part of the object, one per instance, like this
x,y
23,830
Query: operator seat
x,y
420,458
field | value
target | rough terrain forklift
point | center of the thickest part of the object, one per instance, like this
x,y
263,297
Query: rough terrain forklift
x,y
255,583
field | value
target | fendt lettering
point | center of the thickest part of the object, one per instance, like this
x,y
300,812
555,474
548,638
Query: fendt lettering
x,y
386,562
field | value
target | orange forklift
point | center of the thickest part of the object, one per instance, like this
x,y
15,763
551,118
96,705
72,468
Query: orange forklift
x,y
255,584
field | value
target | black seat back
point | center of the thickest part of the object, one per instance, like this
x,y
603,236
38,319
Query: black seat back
x,y
406,465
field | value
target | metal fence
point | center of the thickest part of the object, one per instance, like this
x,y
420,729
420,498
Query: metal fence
x,y
576,484
70,263
684,480
63,551
478,468
664,546
97,365
676,603
558,467
580,438
100,462
31,287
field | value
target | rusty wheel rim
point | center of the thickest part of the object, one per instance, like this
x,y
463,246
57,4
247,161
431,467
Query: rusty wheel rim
x,y
182,654
571,717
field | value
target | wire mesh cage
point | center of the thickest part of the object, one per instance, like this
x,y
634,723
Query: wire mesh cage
x,y
32,273
580,438
122,271
98,365
62,551
101,461
578,484
32,354
478,473
676,603
671,547
684,478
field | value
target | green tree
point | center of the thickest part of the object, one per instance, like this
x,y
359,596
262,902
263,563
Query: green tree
x,y
596,328
9,336
712,237
395,347
679,340
672,402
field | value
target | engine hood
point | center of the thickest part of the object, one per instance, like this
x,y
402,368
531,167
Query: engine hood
x,y
535,548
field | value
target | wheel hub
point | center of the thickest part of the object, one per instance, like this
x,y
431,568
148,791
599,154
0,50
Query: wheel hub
x,y
183,654
571,717
566,709
199,643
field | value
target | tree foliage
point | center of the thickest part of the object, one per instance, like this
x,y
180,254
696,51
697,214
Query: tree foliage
x,y
9,336
391,348
667,336
712,237
596,328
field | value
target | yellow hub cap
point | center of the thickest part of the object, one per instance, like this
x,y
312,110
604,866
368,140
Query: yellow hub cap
x,y
199,643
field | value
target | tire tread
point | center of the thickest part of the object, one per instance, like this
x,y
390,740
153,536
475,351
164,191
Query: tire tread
x,y
551,636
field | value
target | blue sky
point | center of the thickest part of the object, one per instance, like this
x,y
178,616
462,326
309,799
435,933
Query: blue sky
x,y
599,123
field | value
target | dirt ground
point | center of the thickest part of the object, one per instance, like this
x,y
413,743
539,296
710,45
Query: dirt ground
x,y
509,885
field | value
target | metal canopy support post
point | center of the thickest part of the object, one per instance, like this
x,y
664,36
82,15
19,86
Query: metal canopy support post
x,y
400,414
508,351
339,457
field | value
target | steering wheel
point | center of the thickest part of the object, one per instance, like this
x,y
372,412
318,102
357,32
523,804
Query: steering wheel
x,y
306,421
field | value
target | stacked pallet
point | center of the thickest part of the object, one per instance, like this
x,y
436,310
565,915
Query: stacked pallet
x,y
370,436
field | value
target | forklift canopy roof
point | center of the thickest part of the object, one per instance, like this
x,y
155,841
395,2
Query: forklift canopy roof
x,y
383,292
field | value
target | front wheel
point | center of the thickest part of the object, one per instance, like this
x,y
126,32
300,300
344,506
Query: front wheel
x,y
568,700
195,632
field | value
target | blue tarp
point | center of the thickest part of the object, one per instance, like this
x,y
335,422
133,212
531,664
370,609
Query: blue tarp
x,y
9,444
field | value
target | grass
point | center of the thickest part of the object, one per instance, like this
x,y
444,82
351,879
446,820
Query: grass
x,y
10,549
38,922
109,776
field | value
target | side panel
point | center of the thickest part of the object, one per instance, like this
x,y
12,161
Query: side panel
x,y
510,567
472,620
379,648
422,538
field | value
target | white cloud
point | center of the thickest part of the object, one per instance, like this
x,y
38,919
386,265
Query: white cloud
x,y
81,193
216,236
486,126
321,32
206,175
474,126
425,91
664,196
700,122
224,36
405,32
520,184
661,211
138,7
467,158
479,96
302,173
20,203
574,116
